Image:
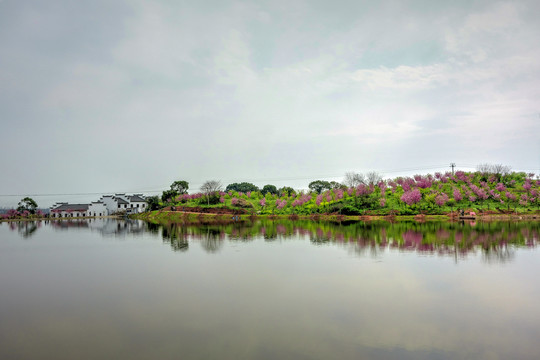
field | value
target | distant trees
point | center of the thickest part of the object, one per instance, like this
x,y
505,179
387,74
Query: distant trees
x,y
180,186
319,186
286,190
373,178
211,187
168,195
153,203
353,179
241,187
27,204
272,189
493,169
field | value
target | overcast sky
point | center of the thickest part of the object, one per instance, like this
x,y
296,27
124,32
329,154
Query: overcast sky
x,y
108,95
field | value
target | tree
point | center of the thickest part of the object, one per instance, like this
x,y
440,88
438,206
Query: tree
x,y
336,185
272,189
153,203
210,187
168,195
373,178
241,187
180,186
354,179
319,186
286,190
27,204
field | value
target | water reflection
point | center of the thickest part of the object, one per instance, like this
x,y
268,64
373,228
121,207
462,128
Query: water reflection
x,y
495,240
113,289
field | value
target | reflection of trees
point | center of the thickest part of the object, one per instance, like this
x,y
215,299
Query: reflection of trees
x,y
176,235
211,242
496,241
27,228
499,254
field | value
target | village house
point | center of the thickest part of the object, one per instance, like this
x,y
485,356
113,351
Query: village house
x,y
107,205
129,204
63,210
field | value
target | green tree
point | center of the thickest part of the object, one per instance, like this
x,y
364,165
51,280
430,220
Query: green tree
x,y
153,203
180,186
241,187
272,189
27,204
319,186
286,190
168,195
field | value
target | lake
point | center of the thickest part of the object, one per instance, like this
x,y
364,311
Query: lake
x,y
108,289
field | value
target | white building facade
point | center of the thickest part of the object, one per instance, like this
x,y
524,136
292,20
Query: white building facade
x,y
107,205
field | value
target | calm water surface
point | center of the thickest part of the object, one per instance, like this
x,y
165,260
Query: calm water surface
x,y
105,289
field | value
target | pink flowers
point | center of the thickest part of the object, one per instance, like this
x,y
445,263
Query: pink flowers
x,y
441,199
411,197
423,182
234,201
500,187
363,190
280,204
262,202
457,195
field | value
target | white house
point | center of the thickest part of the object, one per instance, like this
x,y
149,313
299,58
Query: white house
x,y
63,210
131,204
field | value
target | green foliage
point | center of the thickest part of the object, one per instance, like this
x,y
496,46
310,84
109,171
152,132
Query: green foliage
x,y
241,187
153,203
272,189
27,204
169,195
286,190
330,197
209,199
180,186
319,186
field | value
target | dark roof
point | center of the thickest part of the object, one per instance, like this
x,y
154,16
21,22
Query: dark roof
x,y
120,200
136,198
72,207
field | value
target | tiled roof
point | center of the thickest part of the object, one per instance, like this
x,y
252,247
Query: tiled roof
x,y
72,207
120,200
136,198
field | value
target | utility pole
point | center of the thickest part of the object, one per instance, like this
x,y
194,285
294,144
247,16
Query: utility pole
x,y
453,165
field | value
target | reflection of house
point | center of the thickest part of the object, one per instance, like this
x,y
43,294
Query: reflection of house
x,y
107,205
63,210
130,204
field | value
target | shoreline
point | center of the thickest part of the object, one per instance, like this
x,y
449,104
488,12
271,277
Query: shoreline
x,y
167,216
188,218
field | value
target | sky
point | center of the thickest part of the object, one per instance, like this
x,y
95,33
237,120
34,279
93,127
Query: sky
x,y
108,96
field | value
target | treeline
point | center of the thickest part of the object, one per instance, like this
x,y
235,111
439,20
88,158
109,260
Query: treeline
x,y
491,188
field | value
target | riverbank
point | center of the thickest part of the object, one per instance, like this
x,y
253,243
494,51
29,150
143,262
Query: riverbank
x,y
44,218
188,218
